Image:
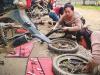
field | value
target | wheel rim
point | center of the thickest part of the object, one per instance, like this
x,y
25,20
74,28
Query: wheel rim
x,y
63,44
71,64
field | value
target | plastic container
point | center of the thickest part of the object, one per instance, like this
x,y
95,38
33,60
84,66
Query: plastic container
x,y
20,40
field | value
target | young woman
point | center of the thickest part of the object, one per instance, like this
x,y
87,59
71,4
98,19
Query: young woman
x,y
72,24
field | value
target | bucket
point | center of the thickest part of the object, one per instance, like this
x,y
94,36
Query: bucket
x,y
20,40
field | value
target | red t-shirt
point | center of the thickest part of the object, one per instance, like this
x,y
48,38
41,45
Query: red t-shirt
x,y
56,10
28,2
51,1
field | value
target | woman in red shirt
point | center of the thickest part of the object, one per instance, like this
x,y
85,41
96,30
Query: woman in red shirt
x,y
56,13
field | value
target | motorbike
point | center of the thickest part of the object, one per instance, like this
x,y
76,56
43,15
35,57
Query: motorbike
x,y
18,14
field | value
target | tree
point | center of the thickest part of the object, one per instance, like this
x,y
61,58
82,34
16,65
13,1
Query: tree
x,y
84,2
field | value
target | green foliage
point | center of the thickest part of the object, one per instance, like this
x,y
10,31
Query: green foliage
x,y
88,7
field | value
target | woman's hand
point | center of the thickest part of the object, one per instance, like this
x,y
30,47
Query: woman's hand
x,y
65,28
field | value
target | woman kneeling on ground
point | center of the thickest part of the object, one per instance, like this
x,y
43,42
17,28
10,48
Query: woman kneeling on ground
x,y
71,23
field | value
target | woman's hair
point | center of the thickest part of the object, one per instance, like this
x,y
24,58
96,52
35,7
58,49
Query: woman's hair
x,y
69,5
61,10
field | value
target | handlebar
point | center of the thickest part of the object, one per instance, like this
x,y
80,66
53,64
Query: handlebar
x,y
52,31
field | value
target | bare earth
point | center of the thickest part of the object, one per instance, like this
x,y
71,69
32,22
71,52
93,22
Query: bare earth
x,y
92,18
17,66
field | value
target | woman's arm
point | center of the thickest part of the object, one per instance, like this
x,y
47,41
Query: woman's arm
x,y
59,22
75,27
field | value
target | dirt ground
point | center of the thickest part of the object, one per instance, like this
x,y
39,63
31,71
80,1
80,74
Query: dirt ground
x,y
92,18
17,66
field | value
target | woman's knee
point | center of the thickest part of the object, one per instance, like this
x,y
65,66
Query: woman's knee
x,y
53,16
